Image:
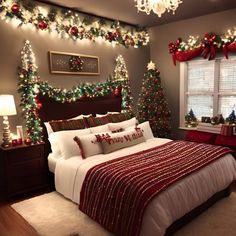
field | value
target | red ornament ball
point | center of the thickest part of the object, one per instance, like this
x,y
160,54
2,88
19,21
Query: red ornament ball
x,y
74,31
117,92
15,8
42,25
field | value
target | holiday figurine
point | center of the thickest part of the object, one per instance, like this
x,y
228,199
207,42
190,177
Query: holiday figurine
x,y
190,119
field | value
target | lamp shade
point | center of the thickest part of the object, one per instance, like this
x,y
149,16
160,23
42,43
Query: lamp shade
x,y
7,105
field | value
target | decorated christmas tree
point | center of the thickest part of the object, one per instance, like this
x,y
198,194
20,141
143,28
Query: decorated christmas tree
x,y
121,74
28,87
190,119
231,118
152,104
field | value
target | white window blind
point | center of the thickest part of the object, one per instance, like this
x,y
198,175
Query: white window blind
x,y
208,87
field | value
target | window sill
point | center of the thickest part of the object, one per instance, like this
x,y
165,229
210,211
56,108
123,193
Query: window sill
x,y
187,128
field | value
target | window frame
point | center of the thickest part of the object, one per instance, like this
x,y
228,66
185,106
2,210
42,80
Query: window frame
x,y
216,93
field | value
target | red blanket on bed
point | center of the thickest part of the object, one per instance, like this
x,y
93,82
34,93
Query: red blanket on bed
x,y
116,193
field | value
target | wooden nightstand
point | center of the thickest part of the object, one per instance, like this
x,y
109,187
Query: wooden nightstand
x,y
24,169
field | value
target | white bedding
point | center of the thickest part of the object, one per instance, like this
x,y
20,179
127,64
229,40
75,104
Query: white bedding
x,y
170,204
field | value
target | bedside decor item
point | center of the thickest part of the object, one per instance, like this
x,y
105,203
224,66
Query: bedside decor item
x,y
157,6
72,63
19,131
227,130
7,108
231,119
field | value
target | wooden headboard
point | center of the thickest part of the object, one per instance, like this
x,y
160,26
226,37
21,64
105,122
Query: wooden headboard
x,y
53,110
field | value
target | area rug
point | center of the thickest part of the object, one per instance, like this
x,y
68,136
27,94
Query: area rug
x,y
52,214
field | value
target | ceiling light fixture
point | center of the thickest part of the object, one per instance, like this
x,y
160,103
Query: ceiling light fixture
x,y
157,6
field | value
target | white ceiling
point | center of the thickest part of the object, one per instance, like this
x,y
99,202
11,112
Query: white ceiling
x,y
125,10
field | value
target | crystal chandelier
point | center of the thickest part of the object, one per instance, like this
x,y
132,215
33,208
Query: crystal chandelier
x,y
157,6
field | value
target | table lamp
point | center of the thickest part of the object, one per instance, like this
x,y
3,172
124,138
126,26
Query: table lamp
x,y
7,108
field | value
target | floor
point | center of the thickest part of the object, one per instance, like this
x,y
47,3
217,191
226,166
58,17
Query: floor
x,y
12,224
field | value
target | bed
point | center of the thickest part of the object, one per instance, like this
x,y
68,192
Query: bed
x,y
162,215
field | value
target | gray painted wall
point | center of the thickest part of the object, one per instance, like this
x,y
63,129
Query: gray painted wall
x,y
161,36
12,41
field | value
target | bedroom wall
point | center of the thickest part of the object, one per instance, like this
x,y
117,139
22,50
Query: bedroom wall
x,y
12,41
161,36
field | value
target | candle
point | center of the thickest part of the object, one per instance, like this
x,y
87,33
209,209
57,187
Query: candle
x,y
19,131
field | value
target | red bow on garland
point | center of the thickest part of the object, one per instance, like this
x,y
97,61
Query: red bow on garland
x,y
173,47
209,45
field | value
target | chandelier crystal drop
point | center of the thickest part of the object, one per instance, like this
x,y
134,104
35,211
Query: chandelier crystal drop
x,y
157,6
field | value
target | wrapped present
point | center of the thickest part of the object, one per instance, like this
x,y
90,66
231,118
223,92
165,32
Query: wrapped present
x,y
227,130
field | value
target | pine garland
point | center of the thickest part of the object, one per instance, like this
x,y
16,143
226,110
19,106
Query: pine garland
x,y
30,86
68,24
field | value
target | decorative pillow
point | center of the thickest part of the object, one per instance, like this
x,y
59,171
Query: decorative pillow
x,y
114,118
100,129
59,125
146,129
96,121
113,142
88,145
122,125
80,117
64,139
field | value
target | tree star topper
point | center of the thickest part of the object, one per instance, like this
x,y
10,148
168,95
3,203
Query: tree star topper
x,y
151,66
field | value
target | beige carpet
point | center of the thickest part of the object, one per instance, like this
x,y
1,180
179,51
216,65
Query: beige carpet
x,y
51,214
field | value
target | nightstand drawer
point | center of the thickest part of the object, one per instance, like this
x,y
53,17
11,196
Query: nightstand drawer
x,y
28,168
24,154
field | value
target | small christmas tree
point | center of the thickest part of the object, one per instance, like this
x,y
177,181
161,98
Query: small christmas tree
x,y
152,104
190,119
231,118
120,72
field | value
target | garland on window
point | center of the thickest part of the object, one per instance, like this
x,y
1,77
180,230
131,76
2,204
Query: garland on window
x,y
206,47
67,24
30,86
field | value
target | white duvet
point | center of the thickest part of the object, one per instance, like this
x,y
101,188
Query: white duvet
x,y
170,204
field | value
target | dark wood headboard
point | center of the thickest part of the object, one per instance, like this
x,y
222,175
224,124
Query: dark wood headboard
x,y
53,110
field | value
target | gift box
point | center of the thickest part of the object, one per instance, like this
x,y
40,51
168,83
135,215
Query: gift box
x,y
227,130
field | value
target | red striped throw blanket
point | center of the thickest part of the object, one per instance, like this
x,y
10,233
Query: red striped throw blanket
x,y
116,193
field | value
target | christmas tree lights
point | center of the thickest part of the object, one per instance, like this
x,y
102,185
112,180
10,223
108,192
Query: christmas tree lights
x,y
152,104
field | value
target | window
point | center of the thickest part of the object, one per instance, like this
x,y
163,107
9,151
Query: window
x,y
207,87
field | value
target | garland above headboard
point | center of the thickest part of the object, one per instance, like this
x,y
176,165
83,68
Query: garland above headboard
x,y
30,87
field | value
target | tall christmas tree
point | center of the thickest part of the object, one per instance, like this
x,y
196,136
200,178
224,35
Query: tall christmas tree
x,y
28,87
152,104
121,74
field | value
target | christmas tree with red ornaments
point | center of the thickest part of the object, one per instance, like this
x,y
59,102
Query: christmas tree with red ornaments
x,y
152,104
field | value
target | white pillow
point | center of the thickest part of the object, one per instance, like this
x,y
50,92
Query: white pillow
x,y
100,129
65,142
88,145
101,115
146,129
113,112
48,128
54,145
122,125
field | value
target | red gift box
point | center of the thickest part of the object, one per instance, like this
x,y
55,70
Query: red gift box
x,y
227,130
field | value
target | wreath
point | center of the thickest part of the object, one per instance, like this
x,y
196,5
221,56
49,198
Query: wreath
x,y
76,63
